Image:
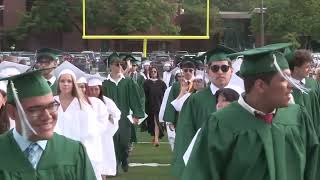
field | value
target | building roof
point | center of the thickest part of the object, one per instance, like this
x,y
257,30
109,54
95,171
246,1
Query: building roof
x,y
235,15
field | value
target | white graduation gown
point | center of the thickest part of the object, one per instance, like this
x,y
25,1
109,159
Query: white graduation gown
x,y
109,156
83,125
166,77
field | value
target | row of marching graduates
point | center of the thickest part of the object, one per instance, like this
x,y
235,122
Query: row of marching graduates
x,y
97,111
270,132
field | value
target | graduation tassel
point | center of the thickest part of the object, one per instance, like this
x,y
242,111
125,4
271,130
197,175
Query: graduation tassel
x,y
204,71
22,115
301,87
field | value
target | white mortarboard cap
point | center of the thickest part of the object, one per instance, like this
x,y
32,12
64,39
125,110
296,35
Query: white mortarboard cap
x,y
198,76
82,80
68,68
95,79
11,69
166,64
3,86
146,63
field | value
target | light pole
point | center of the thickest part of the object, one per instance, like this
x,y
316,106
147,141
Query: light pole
x,y
261,11
262,23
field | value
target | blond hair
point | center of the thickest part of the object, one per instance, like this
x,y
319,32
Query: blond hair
x,y
75,91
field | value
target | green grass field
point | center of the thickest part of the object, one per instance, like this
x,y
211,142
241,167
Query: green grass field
x,y
147,153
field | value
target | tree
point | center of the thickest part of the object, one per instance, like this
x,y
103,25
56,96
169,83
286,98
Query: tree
x,y
48,16
120,16
135,16
290,20
233,5
194,18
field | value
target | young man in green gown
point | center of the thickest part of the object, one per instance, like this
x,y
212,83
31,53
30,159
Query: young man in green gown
x,y
260,137
200,105
300,65
138,78
32,150
47,58
124,92
171,114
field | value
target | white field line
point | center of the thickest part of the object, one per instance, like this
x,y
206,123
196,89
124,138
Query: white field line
x,y
148,164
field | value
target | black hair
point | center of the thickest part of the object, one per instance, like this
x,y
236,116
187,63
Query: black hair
x,y
250,80
230,94
44,57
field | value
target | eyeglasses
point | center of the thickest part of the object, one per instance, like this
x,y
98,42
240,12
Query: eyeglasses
x,y
153,71
36,111
44,62
188,70
224,68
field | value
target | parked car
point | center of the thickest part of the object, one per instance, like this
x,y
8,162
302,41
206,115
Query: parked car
x,y
159,61
179,56
82,62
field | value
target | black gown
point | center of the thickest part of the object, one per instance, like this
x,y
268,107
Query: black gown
x,y
154,91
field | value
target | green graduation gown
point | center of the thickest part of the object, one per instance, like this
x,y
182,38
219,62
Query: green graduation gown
x,y
139,79
170,114
234,144
126,96
311,102
194,112
312,84
54,88
63,159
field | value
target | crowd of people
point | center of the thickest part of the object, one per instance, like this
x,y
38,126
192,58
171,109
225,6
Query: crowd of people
x,y
256,117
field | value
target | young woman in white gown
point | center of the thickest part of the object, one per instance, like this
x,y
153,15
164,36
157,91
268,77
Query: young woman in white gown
x,y
79,120
95,90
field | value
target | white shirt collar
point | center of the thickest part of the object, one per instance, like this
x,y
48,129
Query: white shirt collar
x,y
25,143
247,107
52,80
297,81
116,82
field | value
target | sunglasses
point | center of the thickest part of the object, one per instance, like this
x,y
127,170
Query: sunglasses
x,y
215,68
198,80
188,70
154,71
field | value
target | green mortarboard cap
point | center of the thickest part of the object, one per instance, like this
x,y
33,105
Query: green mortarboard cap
x,y
113,57
261,60
187,59
122,56
28,84
132,59
53,53
220,53
289,54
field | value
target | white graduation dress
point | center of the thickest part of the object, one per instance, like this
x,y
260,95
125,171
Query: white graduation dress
x,y
109,113
83,125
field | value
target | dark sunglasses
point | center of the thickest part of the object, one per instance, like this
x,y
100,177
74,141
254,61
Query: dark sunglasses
x,y
154,71
215,68
188,70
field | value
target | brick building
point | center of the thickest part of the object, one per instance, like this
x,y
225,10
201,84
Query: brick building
x,y
10,16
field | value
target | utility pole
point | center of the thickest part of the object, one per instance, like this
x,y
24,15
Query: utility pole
x,y
262,23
